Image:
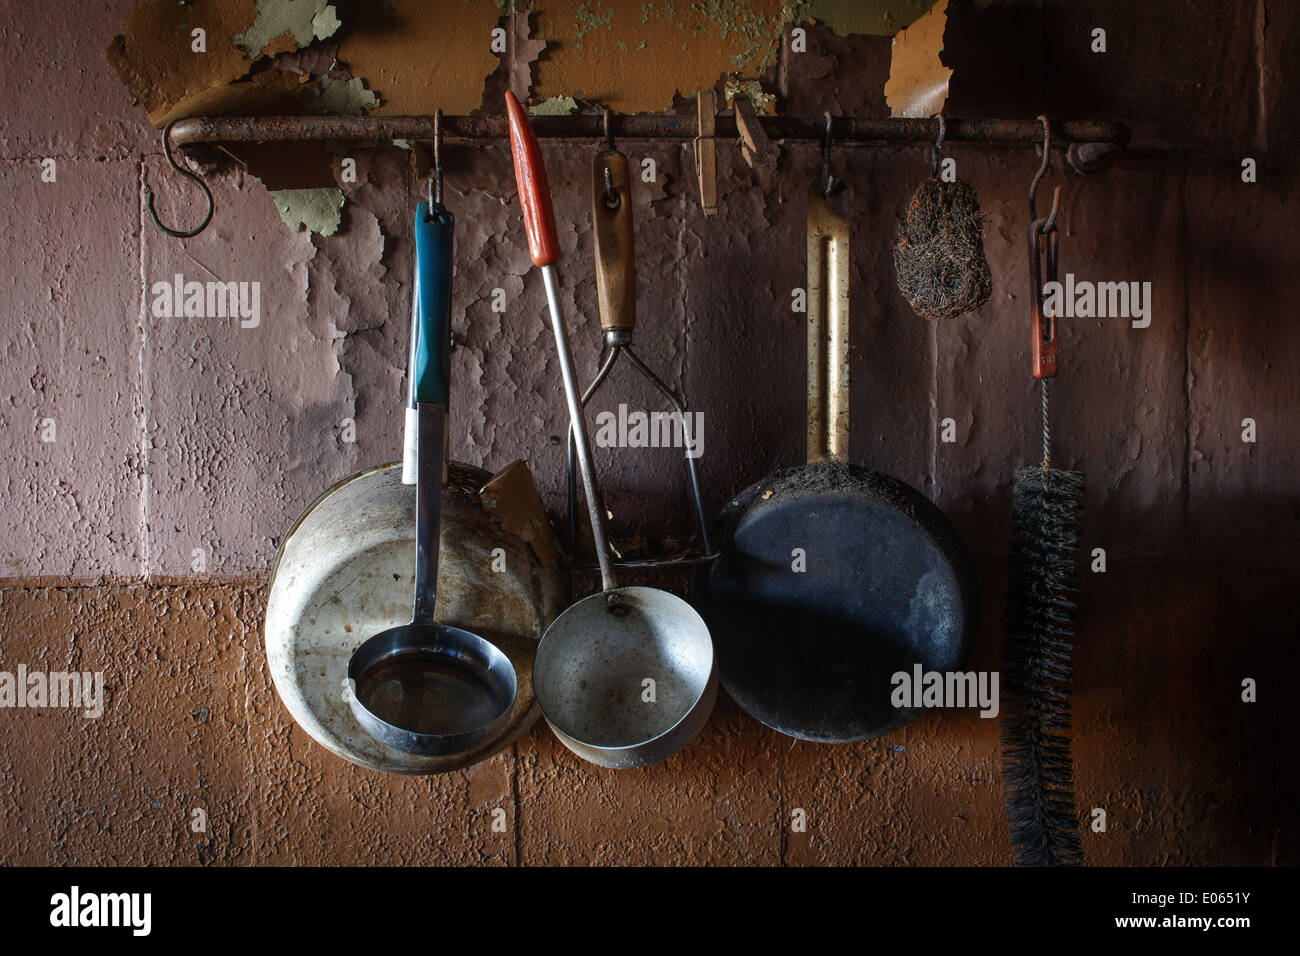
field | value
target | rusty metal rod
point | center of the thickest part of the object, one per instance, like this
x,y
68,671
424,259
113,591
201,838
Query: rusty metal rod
x,y
1101,137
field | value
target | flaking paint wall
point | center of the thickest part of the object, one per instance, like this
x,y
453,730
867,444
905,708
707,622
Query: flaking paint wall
x,y
177,435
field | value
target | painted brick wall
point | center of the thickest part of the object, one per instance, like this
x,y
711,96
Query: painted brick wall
x,y
176,435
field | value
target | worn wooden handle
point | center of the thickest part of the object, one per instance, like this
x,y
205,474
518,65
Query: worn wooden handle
x,y
611,214
534,191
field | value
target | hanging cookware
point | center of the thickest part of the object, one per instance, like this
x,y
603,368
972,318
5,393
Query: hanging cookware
x,y
611,214
833,578
346,569
1047,512
625,677
424,687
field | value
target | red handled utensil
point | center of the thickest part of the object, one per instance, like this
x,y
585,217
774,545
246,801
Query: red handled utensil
x,y
625,677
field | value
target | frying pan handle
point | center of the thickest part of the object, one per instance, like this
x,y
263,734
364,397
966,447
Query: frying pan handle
x,y
534,190
611,214
433,266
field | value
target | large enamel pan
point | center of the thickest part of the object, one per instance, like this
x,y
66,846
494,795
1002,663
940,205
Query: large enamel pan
x,y
347,570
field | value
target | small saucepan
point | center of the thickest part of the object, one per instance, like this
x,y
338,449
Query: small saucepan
x,y
625,677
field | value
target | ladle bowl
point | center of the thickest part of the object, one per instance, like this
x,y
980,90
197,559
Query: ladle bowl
x,y
628,686
430,689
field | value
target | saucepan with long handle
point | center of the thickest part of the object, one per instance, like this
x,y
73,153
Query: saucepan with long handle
x,y
624,677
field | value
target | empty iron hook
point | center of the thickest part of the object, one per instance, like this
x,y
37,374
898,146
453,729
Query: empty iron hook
x,y
171,158
828,181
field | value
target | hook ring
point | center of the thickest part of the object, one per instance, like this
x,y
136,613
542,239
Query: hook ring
x,y
171,159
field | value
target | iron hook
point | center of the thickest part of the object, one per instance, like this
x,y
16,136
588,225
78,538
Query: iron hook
x,y
828,181
1042,171
938,143
612,198
171,158
435,181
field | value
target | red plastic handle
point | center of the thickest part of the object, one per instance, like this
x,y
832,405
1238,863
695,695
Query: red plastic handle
x,y
534,191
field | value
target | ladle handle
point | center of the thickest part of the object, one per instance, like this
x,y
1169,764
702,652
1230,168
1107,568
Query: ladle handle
x,y
611,215
433,262
433,265
534,190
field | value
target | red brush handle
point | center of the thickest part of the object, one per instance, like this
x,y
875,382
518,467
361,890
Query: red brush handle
x,y
534,191
1044,322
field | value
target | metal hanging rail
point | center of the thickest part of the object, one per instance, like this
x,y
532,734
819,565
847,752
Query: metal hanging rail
x,y
1087,142
846,130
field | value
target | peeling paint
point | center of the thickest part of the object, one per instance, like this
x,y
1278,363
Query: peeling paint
x,y
918,80
320,210
554,106
524,56
417,62
154,58
330,95
872,17
305,21
764,102
634,55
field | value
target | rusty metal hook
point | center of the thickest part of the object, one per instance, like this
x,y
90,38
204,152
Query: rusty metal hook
x,y
938,144
828,181
435,181
612,198
1042,169
171,158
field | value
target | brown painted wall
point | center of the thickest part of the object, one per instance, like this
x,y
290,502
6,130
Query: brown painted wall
x,y
174,436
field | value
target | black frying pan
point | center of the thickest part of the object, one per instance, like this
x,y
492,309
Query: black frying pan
x,y
832,578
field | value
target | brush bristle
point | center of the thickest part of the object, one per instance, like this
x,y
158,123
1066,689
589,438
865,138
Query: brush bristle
x,y
1037,770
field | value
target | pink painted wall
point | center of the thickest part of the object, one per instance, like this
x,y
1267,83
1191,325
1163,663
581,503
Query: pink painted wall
x,y
177,434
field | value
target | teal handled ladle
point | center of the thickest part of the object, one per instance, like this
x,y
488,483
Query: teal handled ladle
x,y
424,687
